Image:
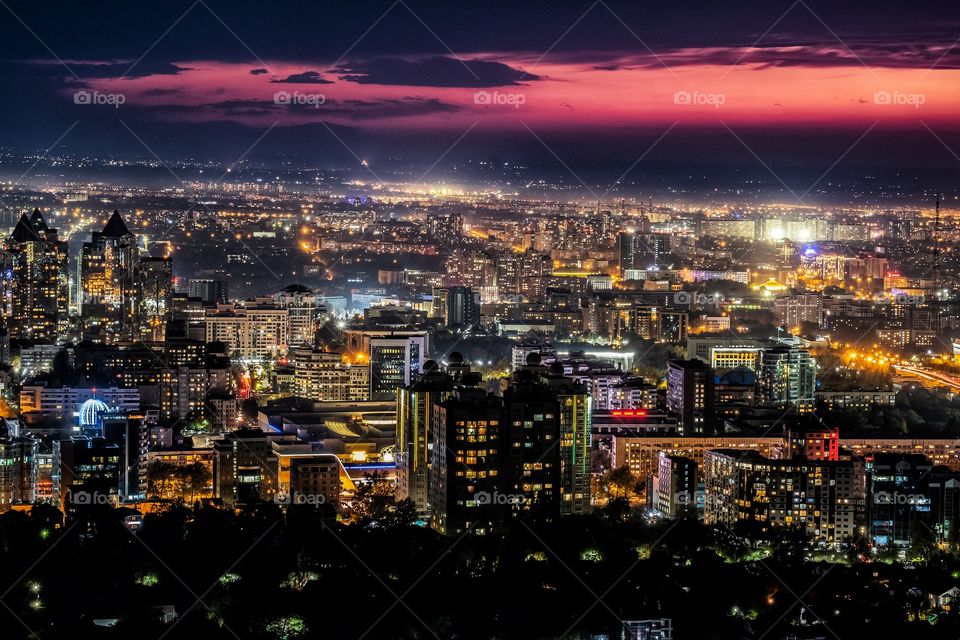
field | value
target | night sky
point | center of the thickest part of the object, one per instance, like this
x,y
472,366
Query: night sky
x,y
799,84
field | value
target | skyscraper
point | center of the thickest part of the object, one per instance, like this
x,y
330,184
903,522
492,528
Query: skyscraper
x,y
788,377
468,491
301,304
463,307
18,467
532,428
208,290
523,455
108,283
39,281
690,395
676,486
575,410
416,432
154,290
393,359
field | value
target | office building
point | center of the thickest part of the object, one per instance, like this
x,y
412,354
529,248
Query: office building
x,y
154,282
394,358
315,480
243,473
899,499
130,432
690,395
89,471
208,291
63,404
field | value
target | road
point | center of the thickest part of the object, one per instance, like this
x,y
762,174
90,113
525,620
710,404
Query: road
x,y
928,374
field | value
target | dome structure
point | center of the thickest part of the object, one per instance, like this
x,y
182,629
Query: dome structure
x,y
91,413
738,376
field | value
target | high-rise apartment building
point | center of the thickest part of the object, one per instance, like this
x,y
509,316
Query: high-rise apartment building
x,y
788,377
39,281
328,377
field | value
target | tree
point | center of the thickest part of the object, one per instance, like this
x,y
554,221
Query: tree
x,y
169,481
374,501
922,544
286,627
197,478
953,535
621,482
160,478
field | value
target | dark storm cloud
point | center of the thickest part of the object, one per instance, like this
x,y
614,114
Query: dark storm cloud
x,y
91,69
437,71
258,72
358,110
229,106
306,77
782,51
297,30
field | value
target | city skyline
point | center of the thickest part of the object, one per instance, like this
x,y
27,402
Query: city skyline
x,y
521,320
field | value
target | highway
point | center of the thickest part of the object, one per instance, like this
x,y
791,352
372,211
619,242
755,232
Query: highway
x,y
927,374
